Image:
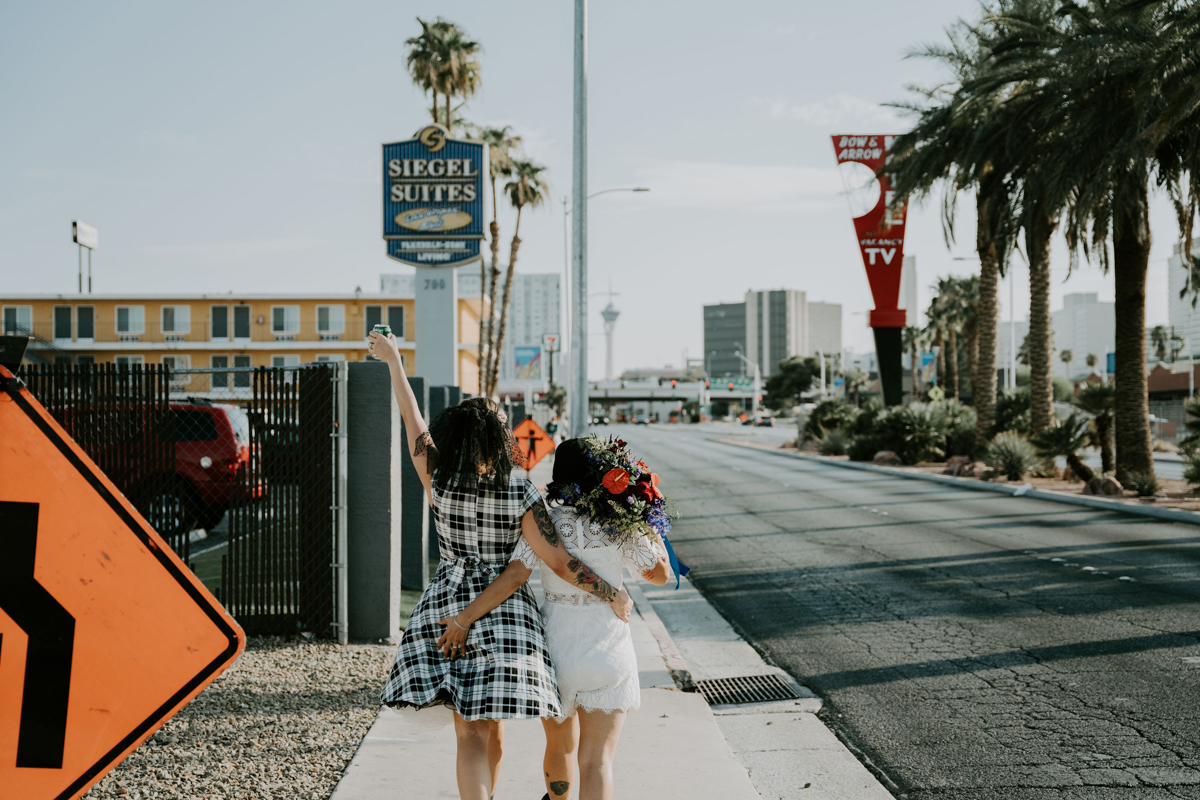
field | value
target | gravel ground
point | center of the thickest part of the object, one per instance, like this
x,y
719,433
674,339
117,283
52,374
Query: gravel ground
x,y
284,721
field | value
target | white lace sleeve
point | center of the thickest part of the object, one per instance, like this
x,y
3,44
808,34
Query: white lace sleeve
x,y
524,553
641,553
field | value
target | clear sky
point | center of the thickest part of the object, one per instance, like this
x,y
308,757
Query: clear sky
x,y
235,147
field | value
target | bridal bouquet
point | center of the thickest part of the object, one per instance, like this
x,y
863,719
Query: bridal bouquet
x,y
626,501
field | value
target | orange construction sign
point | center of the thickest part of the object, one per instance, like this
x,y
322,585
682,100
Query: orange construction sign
x,y
533,443
104,632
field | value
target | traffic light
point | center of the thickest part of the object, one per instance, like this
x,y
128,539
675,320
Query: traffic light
x,y
672,383
731,386
706,384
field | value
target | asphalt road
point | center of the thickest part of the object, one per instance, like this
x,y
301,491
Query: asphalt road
x,y
971,645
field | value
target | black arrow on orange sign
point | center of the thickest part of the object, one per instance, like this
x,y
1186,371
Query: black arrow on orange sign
x,y
51,632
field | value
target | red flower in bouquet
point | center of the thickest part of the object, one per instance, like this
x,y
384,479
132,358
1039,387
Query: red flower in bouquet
x,y
616,481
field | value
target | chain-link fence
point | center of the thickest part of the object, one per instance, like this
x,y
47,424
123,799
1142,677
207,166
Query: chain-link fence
x,y
237,468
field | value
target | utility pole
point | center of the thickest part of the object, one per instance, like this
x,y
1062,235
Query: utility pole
x,y
579,295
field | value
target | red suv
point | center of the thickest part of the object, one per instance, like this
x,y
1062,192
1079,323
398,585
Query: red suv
x,y
212,447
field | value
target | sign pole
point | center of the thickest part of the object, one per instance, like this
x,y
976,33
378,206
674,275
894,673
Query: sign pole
x,y
578,393
80,247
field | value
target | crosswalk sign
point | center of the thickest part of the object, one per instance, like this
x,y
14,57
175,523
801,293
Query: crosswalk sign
x,y
104,633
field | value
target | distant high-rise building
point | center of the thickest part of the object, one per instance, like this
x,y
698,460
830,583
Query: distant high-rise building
x,y
768,327
534,308
1083,325
1183,317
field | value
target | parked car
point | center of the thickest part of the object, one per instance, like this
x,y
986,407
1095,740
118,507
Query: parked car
x,y
211,448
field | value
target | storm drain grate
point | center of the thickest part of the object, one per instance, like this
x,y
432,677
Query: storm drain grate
x,y
751,689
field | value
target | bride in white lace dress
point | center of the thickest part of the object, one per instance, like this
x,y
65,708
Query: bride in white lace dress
x,y
590,646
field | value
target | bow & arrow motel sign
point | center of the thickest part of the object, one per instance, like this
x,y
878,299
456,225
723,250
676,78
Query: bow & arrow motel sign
x,y
433,196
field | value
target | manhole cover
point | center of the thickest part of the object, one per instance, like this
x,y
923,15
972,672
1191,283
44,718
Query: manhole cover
x,y
752,689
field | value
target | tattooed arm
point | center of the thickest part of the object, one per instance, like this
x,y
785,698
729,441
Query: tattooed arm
x,y
539,531
420,443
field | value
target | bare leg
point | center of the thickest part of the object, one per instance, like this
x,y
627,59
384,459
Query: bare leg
x,y
598,734
562,740
474,774
495,749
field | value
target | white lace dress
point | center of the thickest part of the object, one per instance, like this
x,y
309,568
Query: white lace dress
x,y
590,647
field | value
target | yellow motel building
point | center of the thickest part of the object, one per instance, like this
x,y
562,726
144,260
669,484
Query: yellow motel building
x,y
216,331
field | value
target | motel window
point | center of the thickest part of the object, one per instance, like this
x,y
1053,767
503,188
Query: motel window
x,y
88,359
85,323
220,380
395,320
64,359
241,323
18,319
129,361
131,319
176,319
331,319
218,317
176,364
372,316
62,323
285,319
286,361
330,358
241,380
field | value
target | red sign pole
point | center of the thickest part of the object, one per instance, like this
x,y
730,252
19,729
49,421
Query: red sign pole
x,y
880,234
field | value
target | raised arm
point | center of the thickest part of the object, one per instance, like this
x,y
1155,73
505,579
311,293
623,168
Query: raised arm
x,y
539,532
420,443
499,590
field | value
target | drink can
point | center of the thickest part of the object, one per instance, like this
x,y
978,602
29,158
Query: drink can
x,y
382,330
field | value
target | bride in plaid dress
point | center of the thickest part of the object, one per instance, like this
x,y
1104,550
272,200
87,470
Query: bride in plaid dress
x,y
487,666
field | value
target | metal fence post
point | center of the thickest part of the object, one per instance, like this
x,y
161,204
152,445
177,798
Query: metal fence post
x,y
340,424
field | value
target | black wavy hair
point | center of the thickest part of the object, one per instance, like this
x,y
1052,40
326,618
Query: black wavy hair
x,y
474,445
574,474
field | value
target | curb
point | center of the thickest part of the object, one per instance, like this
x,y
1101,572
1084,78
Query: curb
x,y
675,663
1172,514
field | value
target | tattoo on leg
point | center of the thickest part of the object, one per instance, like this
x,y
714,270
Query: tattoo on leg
x,y
560,787
545,524
590,582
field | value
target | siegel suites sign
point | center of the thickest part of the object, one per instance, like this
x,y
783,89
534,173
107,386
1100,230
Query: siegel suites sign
x,y
433,190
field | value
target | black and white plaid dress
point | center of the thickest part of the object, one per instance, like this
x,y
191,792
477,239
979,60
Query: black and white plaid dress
x,y
504,671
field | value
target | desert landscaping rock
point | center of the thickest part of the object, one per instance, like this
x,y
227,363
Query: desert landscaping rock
x,y
284,721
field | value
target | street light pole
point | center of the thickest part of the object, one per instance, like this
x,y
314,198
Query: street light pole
x,y
579,296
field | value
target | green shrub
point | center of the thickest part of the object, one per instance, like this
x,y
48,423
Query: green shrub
x,y
1010,454
1144,483
834,443
829,414
1012,412
1191,472
919,432
958,420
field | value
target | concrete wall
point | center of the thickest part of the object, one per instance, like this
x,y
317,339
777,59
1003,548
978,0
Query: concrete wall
x,y
374,447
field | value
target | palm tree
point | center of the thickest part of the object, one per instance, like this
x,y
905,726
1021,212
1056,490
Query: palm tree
x,y
933,333
1098,399
950,313
1092,360
1066,439
442,61
525,188
1101,113
423,57
946,146
502,145
1067,356
914,344
968,302
1159,340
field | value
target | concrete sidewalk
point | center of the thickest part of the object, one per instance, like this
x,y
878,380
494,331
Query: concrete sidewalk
x,y
670,748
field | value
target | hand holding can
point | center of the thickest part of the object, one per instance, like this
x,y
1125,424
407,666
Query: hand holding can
x,y
382,345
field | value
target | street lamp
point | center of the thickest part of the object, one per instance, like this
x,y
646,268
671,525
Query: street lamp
x,y
578,382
